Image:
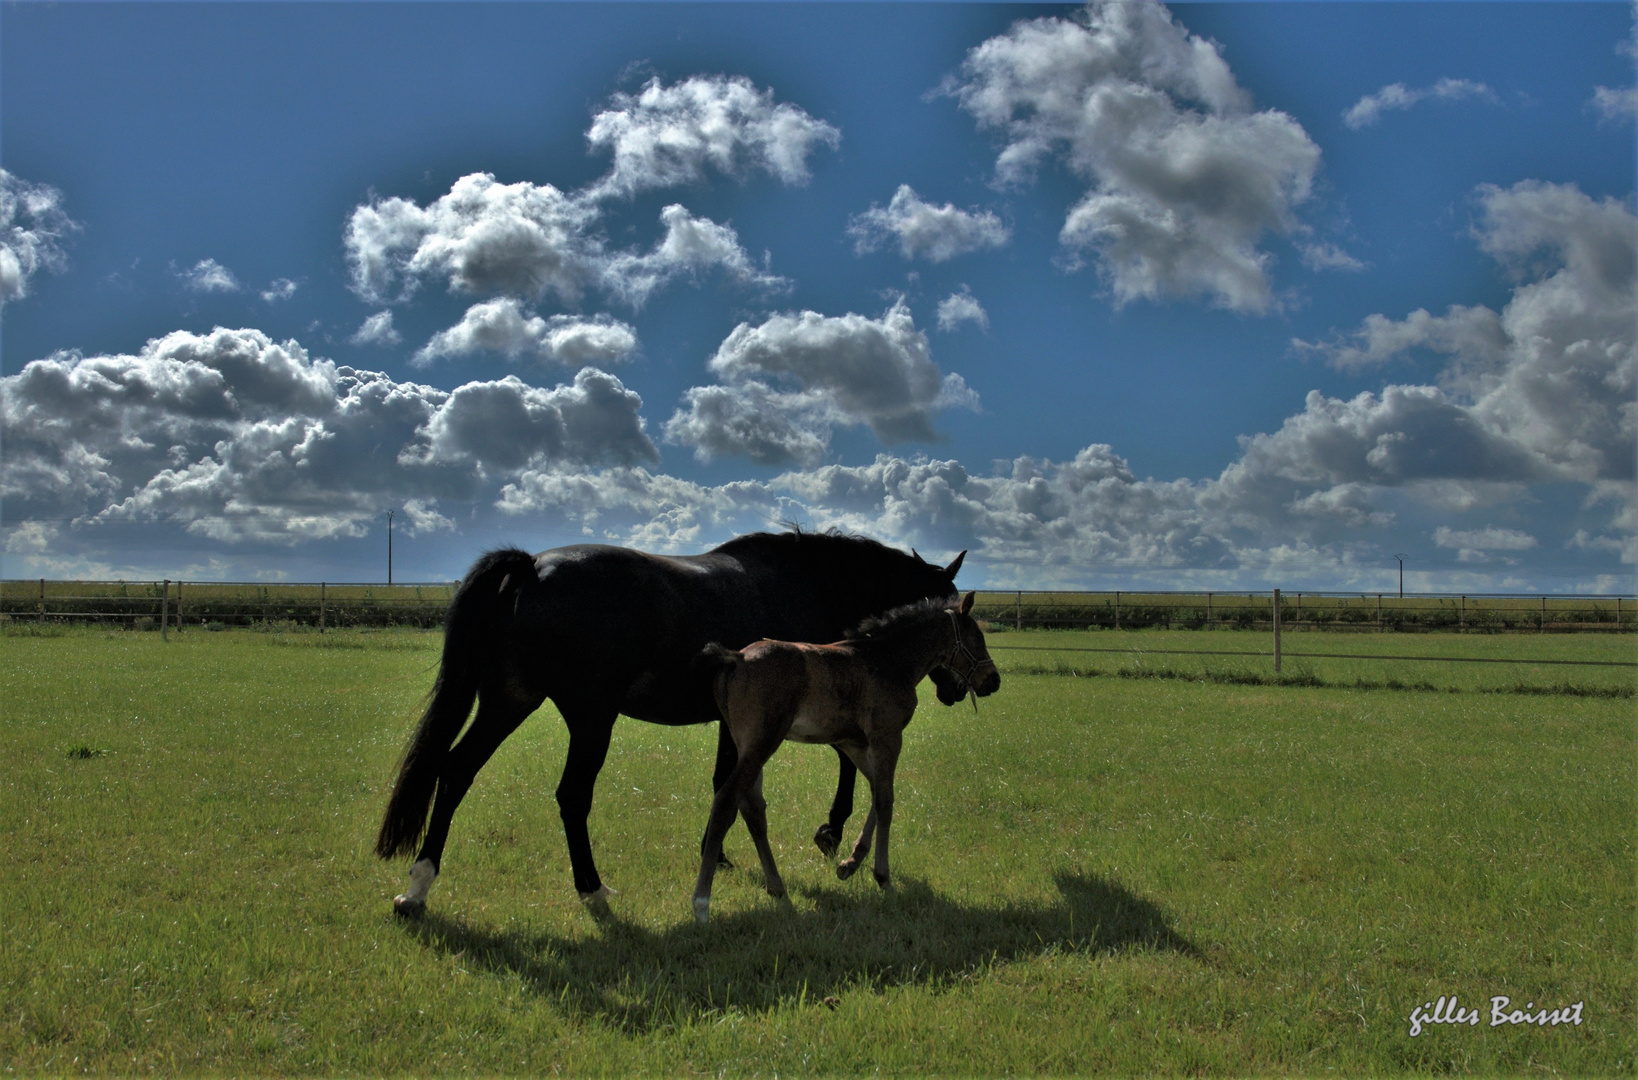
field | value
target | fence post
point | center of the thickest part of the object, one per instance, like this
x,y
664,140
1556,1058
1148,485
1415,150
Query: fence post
x,y
178,605
42,599
1299,611
321,607
1117,609
1461,616
1208,609
1018,611
1379,613
164,602
1542,628
1276,631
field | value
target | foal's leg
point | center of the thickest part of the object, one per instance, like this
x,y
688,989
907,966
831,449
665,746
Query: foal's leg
x,y
829,836
754,808
859,756
884,759
734,795
497,718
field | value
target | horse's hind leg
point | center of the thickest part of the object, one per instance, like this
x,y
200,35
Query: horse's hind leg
x,y
589,732
754,808
497,718
829,836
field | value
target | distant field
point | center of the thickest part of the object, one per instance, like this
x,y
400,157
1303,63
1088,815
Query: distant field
x,y
1096,874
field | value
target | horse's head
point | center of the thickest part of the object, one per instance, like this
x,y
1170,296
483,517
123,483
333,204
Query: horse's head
x,y
969,666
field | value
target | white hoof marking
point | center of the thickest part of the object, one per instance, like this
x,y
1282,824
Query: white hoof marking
x,y
702,909
601,893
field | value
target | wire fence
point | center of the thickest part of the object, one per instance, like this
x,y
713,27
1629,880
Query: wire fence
x,y
164,605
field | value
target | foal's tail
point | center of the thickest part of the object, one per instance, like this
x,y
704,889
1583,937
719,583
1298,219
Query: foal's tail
x,y
480,611
712,663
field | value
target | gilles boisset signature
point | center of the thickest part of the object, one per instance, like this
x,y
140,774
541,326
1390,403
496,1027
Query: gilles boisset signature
x,y
1447,1011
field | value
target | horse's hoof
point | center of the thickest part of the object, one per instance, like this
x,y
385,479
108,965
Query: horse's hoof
x,y
723,862
844,870
777,891
827,840
702,909
598,896
407,907
883,880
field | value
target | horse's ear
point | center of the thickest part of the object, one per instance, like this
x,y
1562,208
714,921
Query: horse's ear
x,y
967,603
955,564
917,554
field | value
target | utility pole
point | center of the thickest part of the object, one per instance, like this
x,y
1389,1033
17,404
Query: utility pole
x,y
389,550
1401,559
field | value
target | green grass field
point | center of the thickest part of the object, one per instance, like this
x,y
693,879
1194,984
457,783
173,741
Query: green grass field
x,y
1094,874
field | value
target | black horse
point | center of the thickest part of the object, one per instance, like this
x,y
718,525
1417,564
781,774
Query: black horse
x,y
605,630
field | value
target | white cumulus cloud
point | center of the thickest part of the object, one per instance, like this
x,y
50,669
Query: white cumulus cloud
x,y
33,229
1369,109
377,330
239,437
504,326
208,276
1185,177
938,233
960,307
666,136
846,369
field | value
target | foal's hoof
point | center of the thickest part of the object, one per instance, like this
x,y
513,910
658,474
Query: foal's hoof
x,y
702,909
845,869
883,880
407,907
723,862
827,840
598,897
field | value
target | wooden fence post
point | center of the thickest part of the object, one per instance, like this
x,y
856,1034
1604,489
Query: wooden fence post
x,y
1379,613
164,603
1461,616
1117,609
321,607
1542,628
42,599
1208,609
1299,611
1276,631
178,605
1018,611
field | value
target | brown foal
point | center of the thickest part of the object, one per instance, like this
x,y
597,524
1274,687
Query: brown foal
x,y
857,695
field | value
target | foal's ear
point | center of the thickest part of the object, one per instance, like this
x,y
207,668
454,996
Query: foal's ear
x,y
955,564
967,603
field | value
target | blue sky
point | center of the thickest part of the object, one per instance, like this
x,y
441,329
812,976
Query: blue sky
x,y
1225,295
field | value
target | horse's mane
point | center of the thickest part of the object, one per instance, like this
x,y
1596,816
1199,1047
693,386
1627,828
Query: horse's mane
x,y
900,618
832,542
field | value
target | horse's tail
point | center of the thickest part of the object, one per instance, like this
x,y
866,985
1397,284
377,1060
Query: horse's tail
x,y
480,609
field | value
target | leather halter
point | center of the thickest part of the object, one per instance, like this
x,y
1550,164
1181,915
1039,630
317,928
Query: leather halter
x,y
974,664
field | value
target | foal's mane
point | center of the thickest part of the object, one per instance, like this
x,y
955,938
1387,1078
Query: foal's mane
x,y
907,617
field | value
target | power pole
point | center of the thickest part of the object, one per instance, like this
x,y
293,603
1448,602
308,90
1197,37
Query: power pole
x,y
389,550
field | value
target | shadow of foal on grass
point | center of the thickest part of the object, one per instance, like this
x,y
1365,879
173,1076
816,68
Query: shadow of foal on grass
x,y
639,979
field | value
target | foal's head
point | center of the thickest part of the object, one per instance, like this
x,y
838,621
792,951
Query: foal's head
x,y
969,667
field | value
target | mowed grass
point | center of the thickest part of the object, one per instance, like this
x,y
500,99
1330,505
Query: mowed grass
x,y
1092,875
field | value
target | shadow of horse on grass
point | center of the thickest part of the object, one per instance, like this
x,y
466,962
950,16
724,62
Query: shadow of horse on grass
x,y
638,979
